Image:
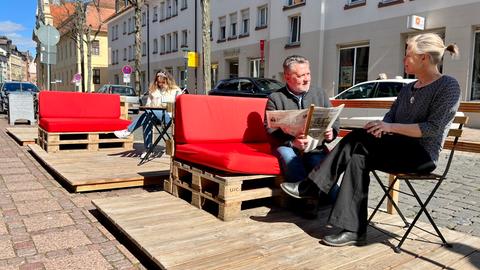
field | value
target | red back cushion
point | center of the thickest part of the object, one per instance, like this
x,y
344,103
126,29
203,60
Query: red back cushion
x,y
56,104
201,119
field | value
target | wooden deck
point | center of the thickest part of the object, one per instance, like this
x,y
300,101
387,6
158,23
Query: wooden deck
x,y
176,235
23,135
105,169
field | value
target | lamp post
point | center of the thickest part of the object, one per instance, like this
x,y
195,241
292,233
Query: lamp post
x,y
148,41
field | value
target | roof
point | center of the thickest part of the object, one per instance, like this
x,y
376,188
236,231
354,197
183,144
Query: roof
x,y
62,14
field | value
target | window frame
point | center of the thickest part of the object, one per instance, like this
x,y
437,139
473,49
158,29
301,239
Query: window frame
x,y
298,28
262,10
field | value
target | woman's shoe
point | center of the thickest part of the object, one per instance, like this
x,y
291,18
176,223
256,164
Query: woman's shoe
x,y
122,134
143,154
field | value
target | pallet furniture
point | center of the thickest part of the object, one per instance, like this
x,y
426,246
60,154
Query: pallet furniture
x,y
80,121
222,156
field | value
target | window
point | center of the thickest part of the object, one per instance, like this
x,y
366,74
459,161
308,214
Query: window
x,y
116,31
388,89
124,27
130,53
155,14
169,8
95,47
144,49
96,76
257,68
124,54
354,2
182,77
144,18
360,91
294,2
113,33
353,67
174,7
211,31
233,25
162,11
184,39
155,45
184,4
113,57
476,69
222,35
130,30
162,44
116,79
262,16
295,28
169,43
245,21
175,41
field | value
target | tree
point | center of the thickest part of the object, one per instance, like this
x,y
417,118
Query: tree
x,y
206,59
138,6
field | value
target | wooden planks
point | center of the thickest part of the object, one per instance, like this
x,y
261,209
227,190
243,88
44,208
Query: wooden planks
x,y
98,170
23,135
264,238
224,192
78,141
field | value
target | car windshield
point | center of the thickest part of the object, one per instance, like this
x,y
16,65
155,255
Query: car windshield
x,y
268,85
123,91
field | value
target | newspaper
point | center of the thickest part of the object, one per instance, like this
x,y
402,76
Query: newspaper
x,y
294,122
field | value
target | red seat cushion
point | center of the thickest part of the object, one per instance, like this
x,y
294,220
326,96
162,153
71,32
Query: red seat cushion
x,y
205,119
247,158
82,124
59,104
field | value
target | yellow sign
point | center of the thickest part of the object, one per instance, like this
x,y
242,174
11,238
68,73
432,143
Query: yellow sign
x,y
192,59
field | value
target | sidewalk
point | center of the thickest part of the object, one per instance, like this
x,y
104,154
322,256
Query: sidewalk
x,y
42,226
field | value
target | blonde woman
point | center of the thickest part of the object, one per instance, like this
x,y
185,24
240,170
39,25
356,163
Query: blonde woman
x,y
407,140
161,91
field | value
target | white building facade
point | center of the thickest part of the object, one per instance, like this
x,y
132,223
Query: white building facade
x,y
346,41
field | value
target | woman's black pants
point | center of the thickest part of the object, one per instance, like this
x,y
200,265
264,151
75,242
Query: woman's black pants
x,y
356,155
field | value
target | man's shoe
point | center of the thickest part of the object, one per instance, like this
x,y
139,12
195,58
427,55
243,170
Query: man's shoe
x,y
122,134
301,190
345,238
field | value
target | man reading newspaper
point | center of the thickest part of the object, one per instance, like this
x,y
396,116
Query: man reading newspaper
x,y
295,163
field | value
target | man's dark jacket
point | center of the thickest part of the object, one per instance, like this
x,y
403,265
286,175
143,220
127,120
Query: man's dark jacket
x,y
285,100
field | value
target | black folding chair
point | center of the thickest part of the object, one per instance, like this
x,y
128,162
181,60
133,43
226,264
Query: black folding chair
x,y
455,132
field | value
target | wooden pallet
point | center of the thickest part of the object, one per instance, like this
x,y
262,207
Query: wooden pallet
x,y
74,141
23,135
222,192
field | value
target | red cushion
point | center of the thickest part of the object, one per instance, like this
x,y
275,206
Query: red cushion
x,y
78,105
202,119
251,158
82,124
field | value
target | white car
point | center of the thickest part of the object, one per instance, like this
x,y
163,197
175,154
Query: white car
x,y
124,91
377,89
382,90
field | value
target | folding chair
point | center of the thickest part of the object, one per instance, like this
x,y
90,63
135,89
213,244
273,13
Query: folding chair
x,y
455,133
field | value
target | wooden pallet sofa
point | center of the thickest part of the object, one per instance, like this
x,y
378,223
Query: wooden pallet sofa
x,y
80,121
222,157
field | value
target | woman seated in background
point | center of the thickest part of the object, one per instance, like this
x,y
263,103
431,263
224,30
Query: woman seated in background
x,y
163,90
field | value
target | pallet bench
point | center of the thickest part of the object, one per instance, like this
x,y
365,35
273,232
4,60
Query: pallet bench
x,y
91,141
222,192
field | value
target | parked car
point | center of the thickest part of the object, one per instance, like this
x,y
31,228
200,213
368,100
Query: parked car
x,y
8,87
125,91
246,87
387,88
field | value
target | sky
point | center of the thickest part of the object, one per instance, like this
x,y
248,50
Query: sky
x,y
17,19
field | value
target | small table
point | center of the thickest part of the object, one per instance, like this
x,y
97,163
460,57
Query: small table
x,y
160,124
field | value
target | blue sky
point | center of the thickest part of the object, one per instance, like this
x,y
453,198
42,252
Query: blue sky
x,y
17,19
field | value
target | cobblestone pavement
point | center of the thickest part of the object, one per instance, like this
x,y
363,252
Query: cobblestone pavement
x,y
43,226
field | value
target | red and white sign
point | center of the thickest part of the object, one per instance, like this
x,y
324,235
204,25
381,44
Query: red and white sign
x,y
262,50
127,69
416,22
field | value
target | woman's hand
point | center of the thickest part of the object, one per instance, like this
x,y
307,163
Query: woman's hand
x,y
378,128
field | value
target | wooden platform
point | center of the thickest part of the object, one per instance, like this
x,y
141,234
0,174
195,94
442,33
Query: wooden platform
x,y
176,235
23,135
108,169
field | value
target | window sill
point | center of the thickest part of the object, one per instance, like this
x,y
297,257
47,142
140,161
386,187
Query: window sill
x,y
261,27
232,38
292,45
184,46
244,35
382,4
155,20
294,6
221,40
183,8
350,6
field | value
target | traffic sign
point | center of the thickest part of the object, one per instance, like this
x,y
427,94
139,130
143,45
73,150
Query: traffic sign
x,y
77,77
126,78
127,69
48,35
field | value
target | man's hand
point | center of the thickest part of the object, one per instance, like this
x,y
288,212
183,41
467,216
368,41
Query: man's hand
x,y
300,142
328,135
